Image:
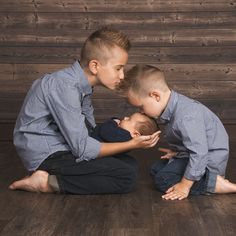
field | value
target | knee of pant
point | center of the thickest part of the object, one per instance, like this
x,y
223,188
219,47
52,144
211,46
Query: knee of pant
x,y
128,180
152,171
161,183
133,164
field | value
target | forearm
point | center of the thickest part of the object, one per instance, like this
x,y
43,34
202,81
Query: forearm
x,y
196,167
108,149
137,142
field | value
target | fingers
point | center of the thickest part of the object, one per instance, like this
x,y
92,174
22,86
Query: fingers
x,y
170,190
167,156
174,194
166,150
169,153
156,133
148,141
152,140
145,137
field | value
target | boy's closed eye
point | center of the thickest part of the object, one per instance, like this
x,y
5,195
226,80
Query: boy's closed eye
x,y
119,68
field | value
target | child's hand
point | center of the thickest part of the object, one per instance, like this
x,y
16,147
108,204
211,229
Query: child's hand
x,y
169,153
147,141
179,191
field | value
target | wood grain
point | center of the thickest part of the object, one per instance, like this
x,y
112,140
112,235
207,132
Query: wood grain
x,y
117,6
139,213
146,55
176,72
193,42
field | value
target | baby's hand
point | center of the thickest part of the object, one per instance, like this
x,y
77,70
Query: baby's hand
x,y
169,153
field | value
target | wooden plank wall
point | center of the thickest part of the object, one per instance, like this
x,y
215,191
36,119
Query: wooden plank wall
x,y
193,41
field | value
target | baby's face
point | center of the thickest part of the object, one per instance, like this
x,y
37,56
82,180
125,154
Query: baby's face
x,y
129,123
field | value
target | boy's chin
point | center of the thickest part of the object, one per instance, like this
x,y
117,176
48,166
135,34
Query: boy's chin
x,y
111,87
152,116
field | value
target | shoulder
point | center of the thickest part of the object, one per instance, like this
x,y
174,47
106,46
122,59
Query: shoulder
x,y
62,82
188,112
188,107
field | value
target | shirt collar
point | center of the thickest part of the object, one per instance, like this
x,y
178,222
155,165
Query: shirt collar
x,y
170,108
84,84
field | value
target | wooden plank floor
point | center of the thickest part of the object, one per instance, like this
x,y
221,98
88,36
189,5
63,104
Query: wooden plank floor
x,y
140,213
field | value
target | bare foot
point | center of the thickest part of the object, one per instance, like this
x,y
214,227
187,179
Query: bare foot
x,y
224,185
37,182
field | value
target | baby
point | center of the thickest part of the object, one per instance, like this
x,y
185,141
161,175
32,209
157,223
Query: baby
x,y
116,130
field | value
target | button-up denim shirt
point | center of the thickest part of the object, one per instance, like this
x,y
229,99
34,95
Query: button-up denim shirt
x,y
196,132
53,116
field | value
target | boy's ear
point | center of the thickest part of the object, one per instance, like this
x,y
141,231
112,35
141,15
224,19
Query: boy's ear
x,y
135,133
155,94
93,66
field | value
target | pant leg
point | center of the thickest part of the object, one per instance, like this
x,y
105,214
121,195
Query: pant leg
x,y
173,172
206,185
157,166
98,176
170,174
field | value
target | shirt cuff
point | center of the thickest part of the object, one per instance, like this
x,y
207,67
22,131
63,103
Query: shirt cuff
x,y
194,175
91,151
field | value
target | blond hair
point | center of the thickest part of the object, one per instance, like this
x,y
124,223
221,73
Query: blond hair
x,y
99,44
142,79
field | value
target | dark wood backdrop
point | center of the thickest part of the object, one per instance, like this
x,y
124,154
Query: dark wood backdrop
x,y
193,41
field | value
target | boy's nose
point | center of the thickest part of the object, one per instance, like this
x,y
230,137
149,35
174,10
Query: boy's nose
x,y
122,75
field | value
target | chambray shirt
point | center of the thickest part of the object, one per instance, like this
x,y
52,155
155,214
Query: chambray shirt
x,y
53,118
196,132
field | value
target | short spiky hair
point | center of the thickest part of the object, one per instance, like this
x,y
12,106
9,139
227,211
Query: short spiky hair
x,y
100,42
141,79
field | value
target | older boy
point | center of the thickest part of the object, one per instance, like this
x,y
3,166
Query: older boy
x,y
191,129
55,146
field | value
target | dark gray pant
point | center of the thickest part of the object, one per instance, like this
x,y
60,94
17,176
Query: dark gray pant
x,y
167,174
98,176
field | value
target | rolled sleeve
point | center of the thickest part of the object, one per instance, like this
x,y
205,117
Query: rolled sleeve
x,y
91,151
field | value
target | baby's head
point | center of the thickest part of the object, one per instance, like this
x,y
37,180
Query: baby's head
x,y
146,88
139,124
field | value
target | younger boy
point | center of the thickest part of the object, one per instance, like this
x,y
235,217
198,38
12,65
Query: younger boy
x,y
51,136
191,129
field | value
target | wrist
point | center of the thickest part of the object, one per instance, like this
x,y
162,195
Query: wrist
x,y
132,144
187,183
